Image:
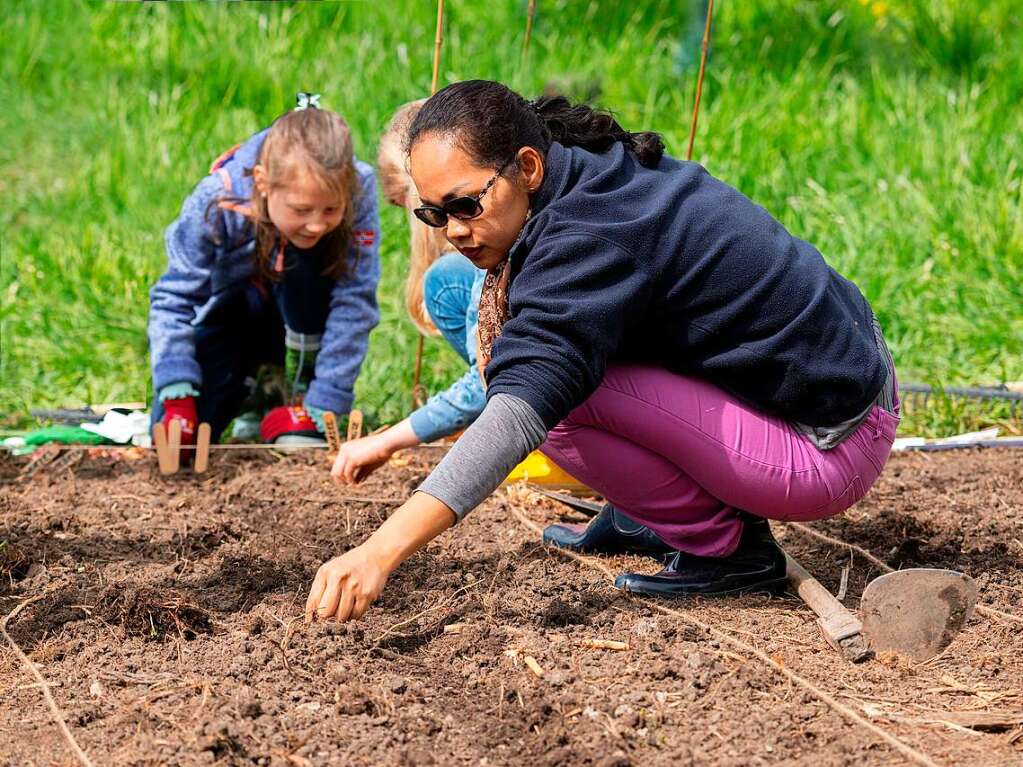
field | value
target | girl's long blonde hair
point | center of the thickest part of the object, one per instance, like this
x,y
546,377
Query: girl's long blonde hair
x,y
317,141
426,244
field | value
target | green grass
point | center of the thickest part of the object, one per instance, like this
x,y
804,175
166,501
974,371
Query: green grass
x,y
887,135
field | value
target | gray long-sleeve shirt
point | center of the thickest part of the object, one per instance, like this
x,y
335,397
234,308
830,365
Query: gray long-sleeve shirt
x,y
506,432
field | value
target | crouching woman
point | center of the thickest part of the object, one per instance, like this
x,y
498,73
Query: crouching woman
x,y
658,335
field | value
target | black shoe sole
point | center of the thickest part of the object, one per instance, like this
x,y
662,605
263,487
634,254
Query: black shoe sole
x,y
621,548
772,587
657,554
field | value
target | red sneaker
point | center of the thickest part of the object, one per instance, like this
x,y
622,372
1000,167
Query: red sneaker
x,y
289,424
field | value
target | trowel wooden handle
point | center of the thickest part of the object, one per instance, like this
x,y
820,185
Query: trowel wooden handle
x,y
836,622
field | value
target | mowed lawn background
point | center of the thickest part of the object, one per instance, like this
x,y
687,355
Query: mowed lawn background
x,y
888,134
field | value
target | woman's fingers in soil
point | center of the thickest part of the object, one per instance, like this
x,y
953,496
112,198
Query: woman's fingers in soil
x,y
345,586
361,606
315,593
332,594
346,605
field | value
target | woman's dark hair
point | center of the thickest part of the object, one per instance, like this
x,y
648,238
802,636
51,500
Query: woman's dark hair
x,y
492,122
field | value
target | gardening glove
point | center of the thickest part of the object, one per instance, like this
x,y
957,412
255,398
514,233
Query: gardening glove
x,y
179,403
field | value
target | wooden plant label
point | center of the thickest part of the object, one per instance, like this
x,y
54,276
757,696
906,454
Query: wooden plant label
x,y
354,425
174,444
333,437
202,448
162,451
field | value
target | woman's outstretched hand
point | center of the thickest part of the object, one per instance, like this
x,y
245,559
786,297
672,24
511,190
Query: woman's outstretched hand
x,y
359,458
347,585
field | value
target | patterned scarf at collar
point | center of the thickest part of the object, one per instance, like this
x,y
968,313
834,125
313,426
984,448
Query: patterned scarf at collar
x,y
493,313
494,305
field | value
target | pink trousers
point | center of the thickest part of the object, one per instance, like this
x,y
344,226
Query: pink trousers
x,y
682,457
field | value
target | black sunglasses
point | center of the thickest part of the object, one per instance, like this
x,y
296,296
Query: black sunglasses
x,y
462,208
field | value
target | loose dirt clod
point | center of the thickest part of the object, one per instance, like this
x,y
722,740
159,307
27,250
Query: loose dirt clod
x,y
151,613
14,563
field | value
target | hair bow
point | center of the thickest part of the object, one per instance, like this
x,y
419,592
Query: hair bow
x,y
305,100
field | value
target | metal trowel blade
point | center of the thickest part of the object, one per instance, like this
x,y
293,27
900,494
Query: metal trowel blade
x,y
916,612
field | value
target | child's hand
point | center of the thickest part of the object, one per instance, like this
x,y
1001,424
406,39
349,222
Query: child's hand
x,y
359,458
347,585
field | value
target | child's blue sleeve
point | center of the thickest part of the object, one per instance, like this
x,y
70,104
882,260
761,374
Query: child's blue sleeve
x,y
450,410
353,309
191,243
461,403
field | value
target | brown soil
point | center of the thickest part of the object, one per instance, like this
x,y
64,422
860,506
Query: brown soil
x,y
170,629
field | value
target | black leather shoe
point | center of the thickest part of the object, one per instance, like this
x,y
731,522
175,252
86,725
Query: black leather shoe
x,y
757,566
610,532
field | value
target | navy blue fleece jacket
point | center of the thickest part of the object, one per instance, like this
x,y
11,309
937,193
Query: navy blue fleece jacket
x,y
669,266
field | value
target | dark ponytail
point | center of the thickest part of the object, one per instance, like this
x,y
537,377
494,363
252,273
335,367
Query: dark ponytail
x,y
594,130
492,122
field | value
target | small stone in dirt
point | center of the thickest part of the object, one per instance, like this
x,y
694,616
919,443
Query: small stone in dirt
x,y
255,626
662,670
694,660
559,613
558,678
627,714
559,756
397,684
417,756
645,627
96,689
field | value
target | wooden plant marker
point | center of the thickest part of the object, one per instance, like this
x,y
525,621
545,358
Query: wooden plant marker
x,y
202,448
162,451
174,445
333,437
354,425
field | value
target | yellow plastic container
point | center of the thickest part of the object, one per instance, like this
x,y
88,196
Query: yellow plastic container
x,y
539,469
